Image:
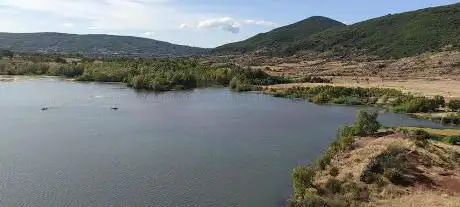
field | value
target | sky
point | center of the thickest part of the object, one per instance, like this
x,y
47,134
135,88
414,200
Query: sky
x,y
202,23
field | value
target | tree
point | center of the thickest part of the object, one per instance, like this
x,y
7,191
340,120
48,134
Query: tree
x,y
454,105
439,101
366,123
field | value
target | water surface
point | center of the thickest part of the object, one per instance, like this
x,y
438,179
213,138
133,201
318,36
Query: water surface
x,y
207,147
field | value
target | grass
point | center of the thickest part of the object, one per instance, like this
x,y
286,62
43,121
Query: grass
x,y
392,99
440,132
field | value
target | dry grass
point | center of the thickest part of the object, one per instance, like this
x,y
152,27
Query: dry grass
x,y
447,88
354,162
436,171
442,132
429,65
421,199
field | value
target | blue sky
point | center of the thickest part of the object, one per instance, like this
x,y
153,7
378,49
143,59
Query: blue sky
x,y
203,23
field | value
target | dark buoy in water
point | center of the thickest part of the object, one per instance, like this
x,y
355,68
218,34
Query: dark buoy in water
x,y
44,108
114,108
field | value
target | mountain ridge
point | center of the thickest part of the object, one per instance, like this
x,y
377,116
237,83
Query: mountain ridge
x,y
94,44
283,35
390,36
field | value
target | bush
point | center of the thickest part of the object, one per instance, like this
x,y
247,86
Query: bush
x,y
333,186
240,84
303,177
368,177
416,104
334,171
391,164
321,98
454,105
451,140
439,101
420,137
396,177
366,123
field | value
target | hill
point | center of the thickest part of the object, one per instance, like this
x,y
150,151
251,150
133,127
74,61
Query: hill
x,y
94,44
365,166
391,36
280,37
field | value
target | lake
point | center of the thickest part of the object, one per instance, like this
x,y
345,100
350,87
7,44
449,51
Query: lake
x,y
207,147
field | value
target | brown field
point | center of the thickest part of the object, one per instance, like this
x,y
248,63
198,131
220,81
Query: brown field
x,y
428,66
427,74
450,89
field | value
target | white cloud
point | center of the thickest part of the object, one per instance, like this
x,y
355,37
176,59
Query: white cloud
x,y
106,14
149,34
259,22
226,23
68,25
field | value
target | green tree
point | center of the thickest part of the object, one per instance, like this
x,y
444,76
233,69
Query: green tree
x,y
366,123
439,101
454,105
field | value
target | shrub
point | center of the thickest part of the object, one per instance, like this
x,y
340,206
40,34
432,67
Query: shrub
x,y
391,164
334,171
355,192
333,186
240,84
420,137
321,98
368,177
451,140
416,104
366,123
303,177
439,101
396,177
454,105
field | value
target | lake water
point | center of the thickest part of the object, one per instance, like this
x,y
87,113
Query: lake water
x,y
207,147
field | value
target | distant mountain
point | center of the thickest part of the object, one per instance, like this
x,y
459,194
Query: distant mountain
x,y
390,36
281,37
93,45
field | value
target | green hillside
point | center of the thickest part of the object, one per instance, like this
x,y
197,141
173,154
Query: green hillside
x,y
283,36
390,36
107,45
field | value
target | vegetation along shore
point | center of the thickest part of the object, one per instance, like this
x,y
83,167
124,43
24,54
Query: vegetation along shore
x,y
391,99
371,165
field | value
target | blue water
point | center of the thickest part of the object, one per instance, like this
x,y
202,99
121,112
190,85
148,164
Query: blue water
x,y
207,147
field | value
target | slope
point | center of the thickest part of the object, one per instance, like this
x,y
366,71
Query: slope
x,y
281,37
391,36
96,44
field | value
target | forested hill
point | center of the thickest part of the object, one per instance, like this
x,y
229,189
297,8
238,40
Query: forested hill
x,y
106,45
281,37
390,36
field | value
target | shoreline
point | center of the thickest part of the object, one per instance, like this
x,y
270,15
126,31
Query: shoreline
x,y
390,99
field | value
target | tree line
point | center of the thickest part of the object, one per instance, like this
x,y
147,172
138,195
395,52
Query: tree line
x,y
160,74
